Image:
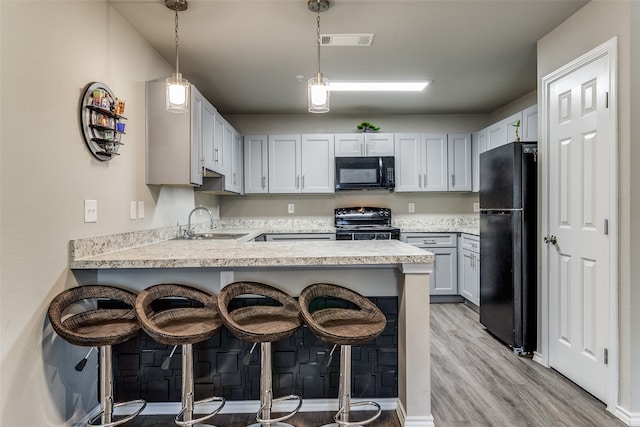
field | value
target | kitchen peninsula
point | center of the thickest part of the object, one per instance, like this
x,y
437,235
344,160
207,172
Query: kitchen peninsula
x,y
369,267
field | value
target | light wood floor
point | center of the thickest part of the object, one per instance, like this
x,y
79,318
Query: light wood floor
x,y
475,381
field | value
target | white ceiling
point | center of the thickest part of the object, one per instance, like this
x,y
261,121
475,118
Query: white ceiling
x,y
244,55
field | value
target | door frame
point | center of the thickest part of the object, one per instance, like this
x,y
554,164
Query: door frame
x,y
610,49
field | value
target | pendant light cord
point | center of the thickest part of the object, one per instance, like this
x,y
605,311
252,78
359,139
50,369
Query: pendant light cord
x,y
318,35
177,41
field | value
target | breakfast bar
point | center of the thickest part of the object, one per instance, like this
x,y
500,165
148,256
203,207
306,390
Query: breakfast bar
x,y
370,267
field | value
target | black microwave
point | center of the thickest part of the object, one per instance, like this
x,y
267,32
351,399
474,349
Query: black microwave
x,y
365,173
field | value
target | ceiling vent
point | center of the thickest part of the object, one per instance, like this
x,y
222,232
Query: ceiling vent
x,y
346,40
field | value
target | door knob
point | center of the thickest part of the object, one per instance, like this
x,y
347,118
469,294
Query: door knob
x,y
551,239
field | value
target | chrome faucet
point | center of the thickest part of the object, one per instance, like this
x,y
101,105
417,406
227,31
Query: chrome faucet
x,y
189,231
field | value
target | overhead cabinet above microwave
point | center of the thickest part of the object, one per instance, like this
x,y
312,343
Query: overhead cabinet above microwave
x,y
364,144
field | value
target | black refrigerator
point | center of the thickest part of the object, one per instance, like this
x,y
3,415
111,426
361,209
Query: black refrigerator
x,y
508,199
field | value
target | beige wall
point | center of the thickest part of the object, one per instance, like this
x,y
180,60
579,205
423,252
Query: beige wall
x,y
591,26
50,51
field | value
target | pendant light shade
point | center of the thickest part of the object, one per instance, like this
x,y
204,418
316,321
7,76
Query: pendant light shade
x,y
177,94
318,92
177,97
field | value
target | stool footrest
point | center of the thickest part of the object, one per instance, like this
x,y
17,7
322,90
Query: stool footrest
x,y
141,402
284,417
201,419
347,409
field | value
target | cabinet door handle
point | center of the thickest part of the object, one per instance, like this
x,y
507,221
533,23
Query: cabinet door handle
x,y
264,181
302,181
215,155
234,178
453,180
298,181
424,180
419,181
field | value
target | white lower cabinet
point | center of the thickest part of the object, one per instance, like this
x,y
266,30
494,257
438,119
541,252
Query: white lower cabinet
x,y
469,268
444,280
308,237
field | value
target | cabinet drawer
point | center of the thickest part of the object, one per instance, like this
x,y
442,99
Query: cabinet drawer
x,y
471,243
431,239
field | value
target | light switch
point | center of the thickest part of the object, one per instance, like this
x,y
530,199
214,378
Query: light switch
x,y
291,208
134,210
141,209
90,211
411,207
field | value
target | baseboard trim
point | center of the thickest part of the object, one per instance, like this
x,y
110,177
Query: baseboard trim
x,y
629,418
250,406
413,421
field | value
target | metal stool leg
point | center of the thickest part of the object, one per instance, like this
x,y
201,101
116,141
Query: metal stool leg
x,y
106,394
188,402
263,417
341,418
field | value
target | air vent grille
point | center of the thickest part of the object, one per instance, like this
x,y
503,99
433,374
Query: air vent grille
x,y
346,40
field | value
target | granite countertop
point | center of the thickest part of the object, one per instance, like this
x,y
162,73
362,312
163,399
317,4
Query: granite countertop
x,y
230,253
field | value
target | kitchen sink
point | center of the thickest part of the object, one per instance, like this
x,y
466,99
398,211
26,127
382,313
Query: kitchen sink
x,y
214,236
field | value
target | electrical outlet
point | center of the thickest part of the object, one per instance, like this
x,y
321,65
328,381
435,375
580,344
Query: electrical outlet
x,y
90,211
226,277
141,209
411,207
291,208
134,210
476,207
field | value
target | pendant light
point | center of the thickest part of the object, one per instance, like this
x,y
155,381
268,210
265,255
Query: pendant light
x,y
177,87
318,88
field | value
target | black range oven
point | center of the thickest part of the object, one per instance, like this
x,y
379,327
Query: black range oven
x,y
364,223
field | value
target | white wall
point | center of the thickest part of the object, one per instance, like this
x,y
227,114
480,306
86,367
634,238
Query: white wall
x,y
50,50
591,26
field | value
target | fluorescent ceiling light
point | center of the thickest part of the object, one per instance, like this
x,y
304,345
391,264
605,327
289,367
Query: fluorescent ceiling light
x,y
379,86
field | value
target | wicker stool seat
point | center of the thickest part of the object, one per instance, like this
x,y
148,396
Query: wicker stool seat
x,y
262,324
359,322
98,327
182,326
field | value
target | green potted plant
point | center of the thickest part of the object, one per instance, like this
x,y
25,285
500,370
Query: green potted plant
x,y
517,126
368,127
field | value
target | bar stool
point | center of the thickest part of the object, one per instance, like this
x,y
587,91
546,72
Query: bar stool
x,y
344,327
182,326
262,324
98,327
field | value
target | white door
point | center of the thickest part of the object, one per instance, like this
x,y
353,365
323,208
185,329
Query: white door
x,y
349,144
408,171
578,208
378,144
435,172
284,163
459,161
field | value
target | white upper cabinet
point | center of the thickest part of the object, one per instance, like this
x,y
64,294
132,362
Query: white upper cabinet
x,y
364,144
317,164
256,166
208,115
284,163
349,144
235,178
409,164
459,158
478,145
433,162
174,141
434,154
301,164
529,130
